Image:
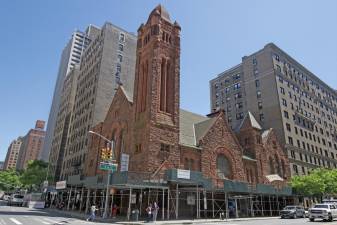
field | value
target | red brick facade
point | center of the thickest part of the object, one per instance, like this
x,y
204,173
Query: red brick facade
x,y
147,126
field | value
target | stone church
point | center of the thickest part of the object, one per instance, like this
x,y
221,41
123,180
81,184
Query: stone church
x,y
158,136
150,127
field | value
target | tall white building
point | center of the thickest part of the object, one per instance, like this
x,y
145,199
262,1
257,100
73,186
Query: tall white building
x,y
71,56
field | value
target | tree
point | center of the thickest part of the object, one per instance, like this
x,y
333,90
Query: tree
x,y
319,183
9,180
34,175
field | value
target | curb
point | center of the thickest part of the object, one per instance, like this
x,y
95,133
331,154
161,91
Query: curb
x,y
170,222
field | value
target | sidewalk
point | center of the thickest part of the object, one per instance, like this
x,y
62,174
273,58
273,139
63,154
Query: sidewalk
x,y
113,221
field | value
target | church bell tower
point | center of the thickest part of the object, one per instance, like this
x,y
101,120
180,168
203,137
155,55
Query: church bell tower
x,y
156,93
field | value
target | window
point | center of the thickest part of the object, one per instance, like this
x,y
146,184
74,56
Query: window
x,y
282,90
292,153
119,68
239,105
258,94
261,117
288,127
254,61
284,102
120,58
290,140
164,147
223,167
286,114
239,116
237,86
278,68
238,95
138,148
259,105
277,57
295,169
236,76
257,83
121,37
120,47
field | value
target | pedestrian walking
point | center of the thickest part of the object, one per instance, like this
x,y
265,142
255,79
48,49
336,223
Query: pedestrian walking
x,y
92,216
114,211
149,212
155,210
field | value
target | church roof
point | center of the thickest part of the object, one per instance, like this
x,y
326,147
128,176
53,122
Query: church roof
x,y
192,125
128,94
250,119
265,135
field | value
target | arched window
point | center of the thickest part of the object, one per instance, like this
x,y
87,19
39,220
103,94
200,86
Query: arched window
x,y
223,167
278,166
163,85
166,86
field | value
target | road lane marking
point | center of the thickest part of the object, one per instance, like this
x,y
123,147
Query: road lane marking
x,y
3,222
50,220
15,221
40,220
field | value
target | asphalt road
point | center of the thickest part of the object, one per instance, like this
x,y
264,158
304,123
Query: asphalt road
x,y
10,215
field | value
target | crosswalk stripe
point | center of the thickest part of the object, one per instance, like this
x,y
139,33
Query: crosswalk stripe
x,y
50,220
15,221
2,222
41,221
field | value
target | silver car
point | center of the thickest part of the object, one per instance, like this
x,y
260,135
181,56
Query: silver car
x,y
292,211
16,199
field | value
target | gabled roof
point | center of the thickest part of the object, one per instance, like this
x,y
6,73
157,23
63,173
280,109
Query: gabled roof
x,y
265,134
251,121
191,126
128,94
202,128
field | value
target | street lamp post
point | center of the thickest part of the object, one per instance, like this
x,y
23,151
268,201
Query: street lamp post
x,y
111,142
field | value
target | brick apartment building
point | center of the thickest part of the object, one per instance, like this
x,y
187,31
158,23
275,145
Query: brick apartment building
x,y
31,146
12,154
282,94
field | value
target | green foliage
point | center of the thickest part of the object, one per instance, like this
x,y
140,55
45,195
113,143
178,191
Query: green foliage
x,y
319,183
34,175
9,180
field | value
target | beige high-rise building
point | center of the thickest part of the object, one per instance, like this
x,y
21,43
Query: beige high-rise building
x,y
12,154
286,96
71,56
61,130
107,62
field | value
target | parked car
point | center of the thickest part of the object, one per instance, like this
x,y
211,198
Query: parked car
x,y
292,211
16,199
325,211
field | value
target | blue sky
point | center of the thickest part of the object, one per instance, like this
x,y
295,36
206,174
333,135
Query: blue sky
x,y
215,35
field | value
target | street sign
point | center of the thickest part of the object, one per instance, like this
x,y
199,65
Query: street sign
x,y
61,185
108,166
183,174
124,162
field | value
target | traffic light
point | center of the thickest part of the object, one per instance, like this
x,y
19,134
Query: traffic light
x,y
106,154
103,154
